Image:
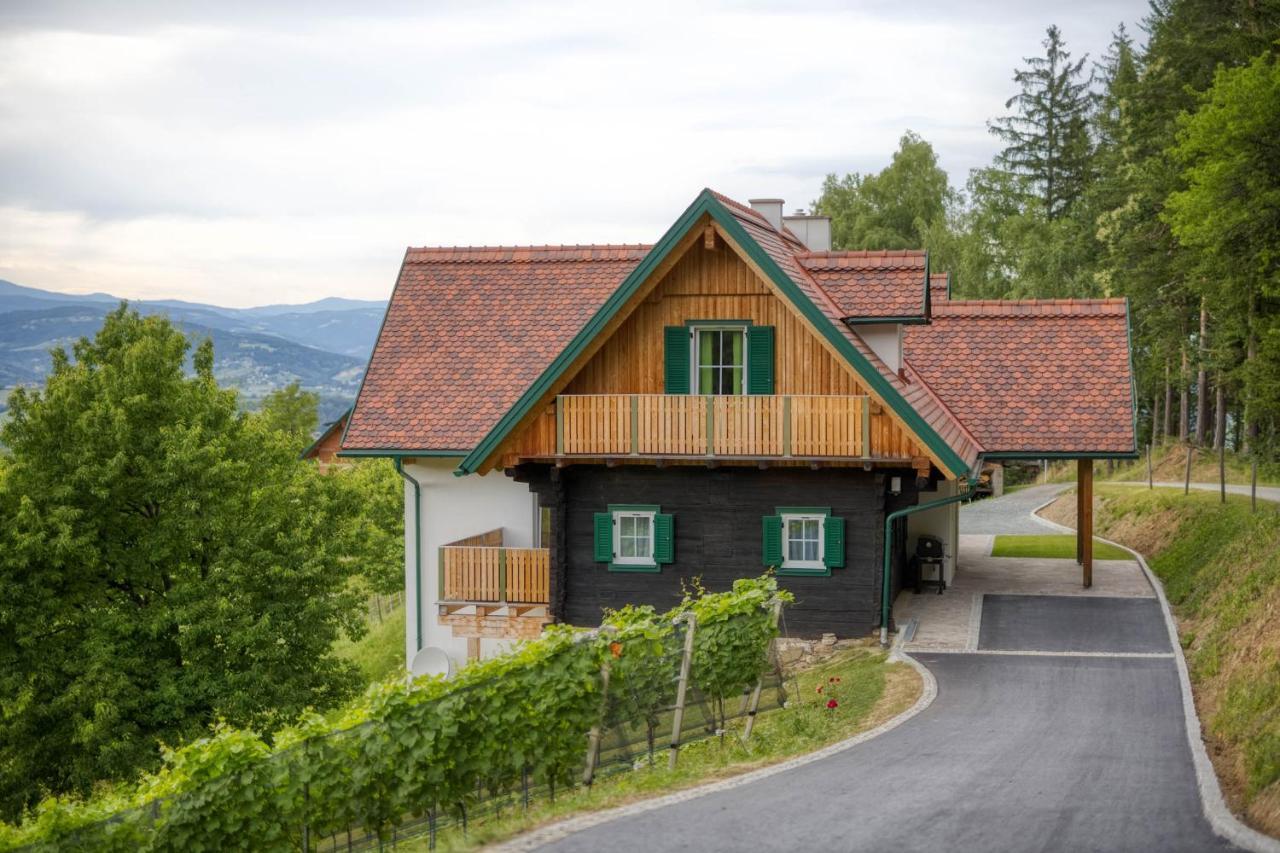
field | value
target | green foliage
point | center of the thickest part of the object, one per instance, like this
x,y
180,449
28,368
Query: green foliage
x,y
372,538
291,410
732,634
402,749
893,209
380,652
166,562
1047,145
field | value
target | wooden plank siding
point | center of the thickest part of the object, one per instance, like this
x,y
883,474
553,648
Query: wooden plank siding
x,y
495,575
717,515
713,285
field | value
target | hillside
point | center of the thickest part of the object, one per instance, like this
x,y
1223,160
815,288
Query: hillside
x,y
1220,565
324,345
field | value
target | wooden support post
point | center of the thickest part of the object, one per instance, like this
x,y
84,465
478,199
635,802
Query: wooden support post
x,y
473,648
1079,514
1086,521
1222,472
677,718
1151,451
755,694
593,739
1186,487
559,427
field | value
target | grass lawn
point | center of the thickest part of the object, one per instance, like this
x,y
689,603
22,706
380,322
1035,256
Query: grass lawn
x,y
870,690
1056,545
380,651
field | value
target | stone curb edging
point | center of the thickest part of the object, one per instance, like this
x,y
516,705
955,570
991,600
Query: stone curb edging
x,y
1223,821
537,838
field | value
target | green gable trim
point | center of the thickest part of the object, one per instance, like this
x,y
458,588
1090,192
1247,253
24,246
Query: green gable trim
x,y
1034,455
906,320
707,204
857,360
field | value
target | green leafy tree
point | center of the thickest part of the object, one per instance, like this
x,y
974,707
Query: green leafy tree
x,y
1046,138
373,536
291,410
891,209
1229,211
166,562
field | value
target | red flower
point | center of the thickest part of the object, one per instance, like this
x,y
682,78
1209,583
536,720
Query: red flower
x,y
831,703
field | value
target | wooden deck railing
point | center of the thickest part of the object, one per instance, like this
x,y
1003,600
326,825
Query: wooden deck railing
x,y
697,425
470,573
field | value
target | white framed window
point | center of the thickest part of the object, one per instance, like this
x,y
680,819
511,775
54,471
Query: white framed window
x,y
803,542
719,359
633,537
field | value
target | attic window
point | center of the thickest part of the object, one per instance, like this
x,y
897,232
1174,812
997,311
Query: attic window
x,y
720,357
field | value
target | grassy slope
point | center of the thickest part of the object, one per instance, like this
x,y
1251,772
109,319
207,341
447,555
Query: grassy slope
x,y
1170,465
1221,569
379,652
870,691
1053,545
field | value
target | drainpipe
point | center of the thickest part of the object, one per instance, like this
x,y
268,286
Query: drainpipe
x,y
886,597
417,549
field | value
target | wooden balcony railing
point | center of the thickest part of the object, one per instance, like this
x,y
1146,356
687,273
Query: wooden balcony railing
x,y
484,575
713,426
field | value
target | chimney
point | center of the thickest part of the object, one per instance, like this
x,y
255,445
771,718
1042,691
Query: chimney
x,y
770,209
813,231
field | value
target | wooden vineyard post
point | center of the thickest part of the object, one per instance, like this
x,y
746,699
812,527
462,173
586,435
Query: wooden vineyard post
x,y
1253,482
1186,486
755,694
593,739
677,719
1151,449
1222,471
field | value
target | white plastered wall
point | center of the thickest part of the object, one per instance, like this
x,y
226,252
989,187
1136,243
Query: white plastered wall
x,y
454,508
885,339
942,522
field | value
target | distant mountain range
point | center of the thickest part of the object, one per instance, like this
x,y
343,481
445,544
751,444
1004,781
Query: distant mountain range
x,y
324,345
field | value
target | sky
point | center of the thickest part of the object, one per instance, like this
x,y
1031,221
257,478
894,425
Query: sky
x,y
243,153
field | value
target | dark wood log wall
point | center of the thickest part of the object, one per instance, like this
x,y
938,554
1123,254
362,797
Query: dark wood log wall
x,y
718,515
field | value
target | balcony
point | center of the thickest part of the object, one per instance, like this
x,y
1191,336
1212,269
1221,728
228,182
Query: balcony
x,y
479,574
683,425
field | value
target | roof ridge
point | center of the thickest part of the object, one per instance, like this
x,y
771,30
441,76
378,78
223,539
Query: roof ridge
x,y
526,254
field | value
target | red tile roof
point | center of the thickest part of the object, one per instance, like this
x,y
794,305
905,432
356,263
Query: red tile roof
x,y
1031,375
886,283
467,330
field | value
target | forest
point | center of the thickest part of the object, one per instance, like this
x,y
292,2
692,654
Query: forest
x,y
1151,172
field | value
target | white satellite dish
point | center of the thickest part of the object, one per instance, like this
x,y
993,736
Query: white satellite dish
x,y
431,660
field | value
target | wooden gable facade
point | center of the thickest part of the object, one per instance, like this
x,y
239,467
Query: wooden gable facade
x,y
614,407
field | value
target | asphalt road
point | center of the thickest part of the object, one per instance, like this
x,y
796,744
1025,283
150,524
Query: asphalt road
x,y
1010,513
1017,753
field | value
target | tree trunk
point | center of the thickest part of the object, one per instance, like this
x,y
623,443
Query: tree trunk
x,y
1184,396
1168,402
1251,351
1155,419
1202,378
1220,417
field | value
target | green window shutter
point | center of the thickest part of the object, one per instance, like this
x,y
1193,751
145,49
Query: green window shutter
x,y
760,359
675,360
604,537
833,542
772,540
664,538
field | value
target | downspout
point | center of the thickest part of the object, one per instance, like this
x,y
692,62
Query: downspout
x,y
886,597
417,549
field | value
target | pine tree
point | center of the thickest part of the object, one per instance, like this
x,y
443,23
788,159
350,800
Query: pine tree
x,y
1047,143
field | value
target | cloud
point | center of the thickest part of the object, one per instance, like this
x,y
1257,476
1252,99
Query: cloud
x,y
245,152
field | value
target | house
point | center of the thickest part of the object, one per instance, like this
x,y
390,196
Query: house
x,y
583,427
324,450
